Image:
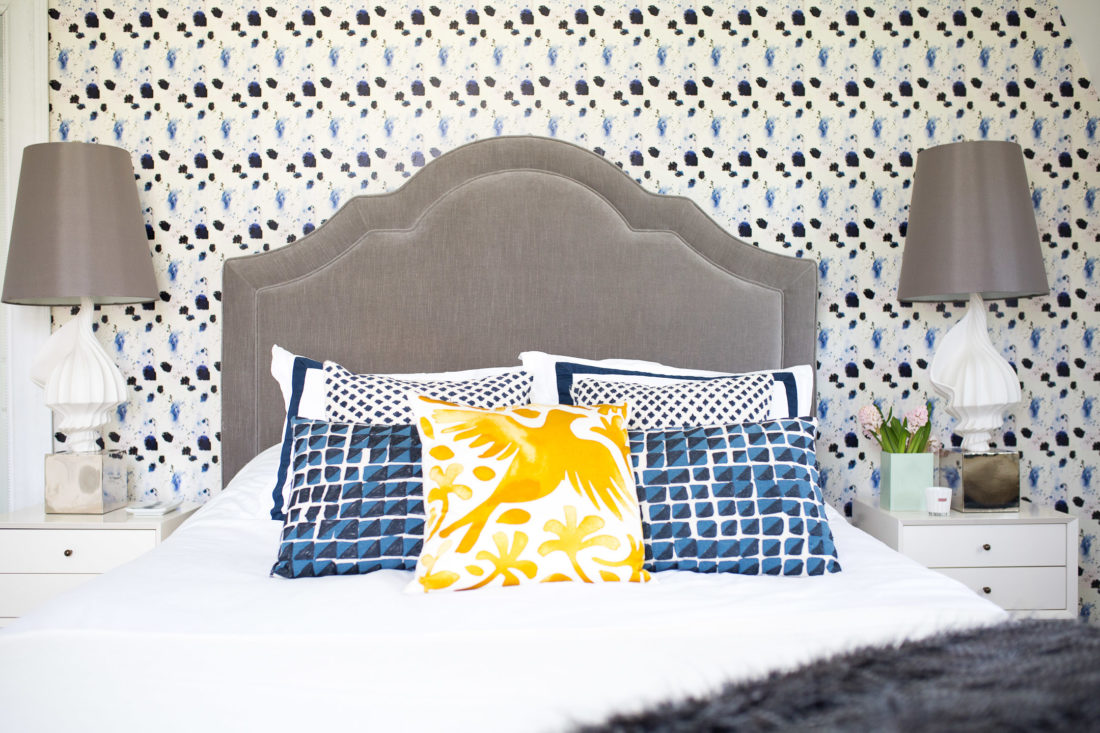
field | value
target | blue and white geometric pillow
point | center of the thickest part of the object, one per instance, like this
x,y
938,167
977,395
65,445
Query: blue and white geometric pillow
x,y
733,499
720,401
379,400
356,500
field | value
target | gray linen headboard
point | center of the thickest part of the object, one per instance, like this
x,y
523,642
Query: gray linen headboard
x,y
500,246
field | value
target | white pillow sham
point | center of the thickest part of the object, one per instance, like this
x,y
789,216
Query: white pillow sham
x,y
546,390
248,494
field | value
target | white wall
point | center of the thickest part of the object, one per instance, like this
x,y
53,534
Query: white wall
x,y
1082,19
25,426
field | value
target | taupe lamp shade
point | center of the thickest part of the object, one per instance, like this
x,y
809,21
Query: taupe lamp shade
x,y
78,230
971,226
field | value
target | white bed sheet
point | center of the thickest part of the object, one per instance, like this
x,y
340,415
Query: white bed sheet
x,y
196,636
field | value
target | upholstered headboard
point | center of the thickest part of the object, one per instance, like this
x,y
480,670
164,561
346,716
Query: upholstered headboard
x,y
500,246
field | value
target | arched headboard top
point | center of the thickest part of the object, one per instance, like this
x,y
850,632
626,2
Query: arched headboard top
x,y
501,246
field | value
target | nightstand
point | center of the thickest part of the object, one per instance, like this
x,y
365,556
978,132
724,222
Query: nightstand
x,y
1025,562
42,555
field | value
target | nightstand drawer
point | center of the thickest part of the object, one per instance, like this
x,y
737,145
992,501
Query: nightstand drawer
x,y
1015,589
71,550
985,545
21,593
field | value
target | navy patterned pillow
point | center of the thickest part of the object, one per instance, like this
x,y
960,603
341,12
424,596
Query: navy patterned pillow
x,y
678,404
736,498
382,400
356,500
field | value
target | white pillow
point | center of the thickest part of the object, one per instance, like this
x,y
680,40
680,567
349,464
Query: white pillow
x,y
546,390
282,368
248,495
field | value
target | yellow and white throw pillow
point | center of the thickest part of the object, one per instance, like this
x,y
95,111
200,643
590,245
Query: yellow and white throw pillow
x,y
528,494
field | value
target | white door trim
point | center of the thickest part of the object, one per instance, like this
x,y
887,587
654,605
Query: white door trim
x,y
24,85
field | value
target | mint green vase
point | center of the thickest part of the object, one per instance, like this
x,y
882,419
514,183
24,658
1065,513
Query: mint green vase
x,y
903,479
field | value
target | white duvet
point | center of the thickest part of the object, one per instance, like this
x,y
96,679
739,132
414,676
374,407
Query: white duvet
x,y
195,636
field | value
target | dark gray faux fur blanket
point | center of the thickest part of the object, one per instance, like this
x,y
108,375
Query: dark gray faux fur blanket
x,y
1024,676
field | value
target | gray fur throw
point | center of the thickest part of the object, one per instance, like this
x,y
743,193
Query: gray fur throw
x,y
1021,676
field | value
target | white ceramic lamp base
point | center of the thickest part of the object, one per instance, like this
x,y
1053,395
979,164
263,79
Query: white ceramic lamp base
x,y
83,386
975,380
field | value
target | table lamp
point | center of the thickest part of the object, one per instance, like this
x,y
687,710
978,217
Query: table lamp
x,y
972,235
78,238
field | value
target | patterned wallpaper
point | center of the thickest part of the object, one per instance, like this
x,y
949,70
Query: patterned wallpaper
x,y
794,125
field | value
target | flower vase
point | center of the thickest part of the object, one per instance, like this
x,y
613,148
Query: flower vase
x,y
904,478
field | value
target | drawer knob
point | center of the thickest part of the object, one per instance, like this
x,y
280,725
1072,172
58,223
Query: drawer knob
x,y
986,589
986,547
68,553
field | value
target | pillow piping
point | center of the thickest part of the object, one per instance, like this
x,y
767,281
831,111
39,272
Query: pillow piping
x,y
565,372
297,380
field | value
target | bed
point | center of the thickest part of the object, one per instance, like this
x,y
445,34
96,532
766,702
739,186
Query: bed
x,y
495,248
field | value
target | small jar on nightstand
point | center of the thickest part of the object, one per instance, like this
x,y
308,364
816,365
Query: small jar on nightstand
x,y
1025,562
42,555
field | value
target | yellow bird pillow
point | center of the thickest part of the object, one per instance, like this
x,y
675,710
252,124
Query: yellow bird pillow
x,y
530,494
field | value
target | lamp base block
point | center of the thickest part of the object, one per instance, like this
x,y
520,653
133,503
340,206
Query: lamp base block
x,y
85,483
987,481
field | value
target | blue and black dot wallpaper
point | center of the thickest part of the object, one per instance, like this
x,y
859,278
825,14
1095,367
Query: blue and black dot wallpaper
x,y
794,125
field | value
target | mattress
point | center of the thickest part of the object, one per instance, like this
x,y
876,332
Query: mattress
x,y
197,635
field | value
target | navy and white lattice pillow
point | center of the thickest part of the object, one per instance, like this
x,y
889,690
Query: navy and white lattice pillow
x,y
721,401
380,400
736,499
356,501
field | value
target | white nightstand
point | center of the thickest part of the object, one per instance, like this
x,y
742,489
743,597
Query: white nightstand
x,y
1025,562
42,554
